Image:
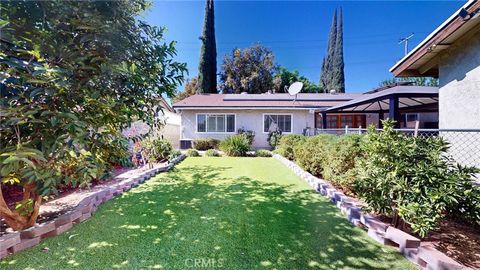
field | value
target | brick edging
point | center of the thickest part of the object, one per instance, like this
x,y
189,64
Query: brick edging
x,y
424,255
17,241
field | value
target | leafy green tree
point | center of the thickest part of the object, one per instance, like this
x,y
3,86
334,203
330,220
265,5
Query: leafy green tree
x,y
284,78
191,88
207,69
250,70
73,75
418,81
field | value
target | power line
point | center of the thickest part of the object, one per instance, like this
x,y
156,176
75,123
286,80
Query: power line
x,y
363,37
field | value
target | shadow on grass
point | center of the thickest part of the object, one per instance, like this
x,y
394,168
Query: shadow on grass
x,y
198,213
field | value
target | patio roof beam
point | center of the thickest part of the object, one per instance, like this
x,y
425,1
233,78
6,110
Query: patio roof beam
x,y
393,110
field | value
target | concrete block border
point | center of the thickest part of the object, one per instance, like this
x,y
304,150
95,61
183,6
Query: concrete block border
x,y
17,241
425,255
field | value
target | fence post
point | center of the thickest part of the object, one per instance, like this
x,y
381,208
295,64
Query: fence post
x,y
346,130
417,124
360,130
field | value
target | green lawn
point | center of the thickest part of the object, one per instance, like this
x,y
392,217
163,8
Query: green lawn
x,y
230,213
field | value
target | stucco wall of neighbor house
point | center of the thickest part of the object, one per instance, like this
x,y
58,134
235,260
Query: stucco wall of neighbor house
x,y
246,119
459,97
459,79
170,131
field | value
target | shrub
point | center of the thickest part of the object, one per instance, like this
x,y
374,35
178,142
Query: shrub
x,y
248,133
212,153
287,143
236,145
192,153
205,144
174,154
274,138
312,154
157,149
263,153
339,167
467,205
120,154
410,178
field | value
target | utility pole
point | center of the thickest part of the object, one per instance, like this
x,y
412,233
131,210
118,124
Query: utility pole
x,y
405,40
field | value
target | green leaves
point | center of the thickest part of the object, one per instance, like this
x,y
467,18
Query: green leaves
x,y
74,73
421,180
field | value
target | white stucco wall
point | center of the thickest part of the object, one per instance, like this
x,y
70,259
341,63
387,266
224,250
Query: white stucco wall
x,y
246,119
459,97
459,79
170,131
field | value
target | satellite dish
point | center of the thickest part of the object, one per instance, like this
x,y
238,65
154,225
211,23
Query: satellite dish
x,y
295,88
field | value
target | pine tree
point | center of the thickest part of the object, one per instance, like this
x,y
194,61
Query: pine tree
x,y
338,78
328,61
207,69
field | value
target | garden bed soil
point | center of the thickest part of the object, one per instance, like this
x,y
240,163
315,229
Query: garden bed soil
x,y
459,241
66,199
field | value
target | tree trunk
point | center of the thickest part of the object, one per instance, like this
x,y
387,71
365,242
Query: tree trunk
x,y
396,218
13,218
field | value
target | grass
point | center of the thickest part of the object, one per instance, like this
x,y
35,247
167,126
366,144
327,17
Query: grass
x,y
230,213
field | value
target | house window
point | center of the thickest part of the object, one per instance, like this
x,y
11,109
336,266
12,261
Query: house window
x,y
281,121
216,123
350,120
411,117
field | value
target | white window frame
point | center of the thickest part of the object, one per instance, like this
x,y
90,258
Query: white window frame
x,y
224,114
274,113
416,114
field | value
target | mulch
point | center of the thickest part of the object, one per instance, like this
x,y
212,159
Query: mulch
x,y
13,193
459,241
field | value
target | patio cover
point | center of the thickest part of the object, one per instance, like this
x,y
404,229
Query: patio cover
x,y
393,100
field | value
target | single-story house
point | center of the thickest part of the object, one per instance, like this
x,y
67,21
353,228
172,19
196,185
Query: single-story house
x,y
452,54
221,115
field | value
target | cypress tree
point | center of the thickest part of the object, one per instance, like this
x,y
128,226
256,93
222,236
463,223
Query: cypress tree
x,y
328,61
207,69
338,78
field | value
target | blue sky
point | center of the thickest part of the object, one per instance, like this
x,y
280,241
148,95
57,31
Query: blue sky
x,y
297,32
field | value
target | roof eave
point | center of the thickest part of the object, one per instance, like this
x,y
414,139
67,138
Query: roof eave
x,y
453,23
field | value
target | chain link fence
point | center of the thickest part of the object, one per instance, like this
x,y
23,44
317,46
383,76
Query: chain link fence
x,y
464,143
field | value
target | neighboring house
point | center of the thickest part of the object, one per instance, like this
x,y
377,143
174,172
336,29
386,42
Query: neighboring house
x,y
221,115
452,53
170,129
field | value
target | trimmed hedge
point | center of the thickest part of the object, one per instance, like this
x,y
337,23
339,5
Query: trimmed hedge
x,y
287,143
312,154
339,167
205,144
